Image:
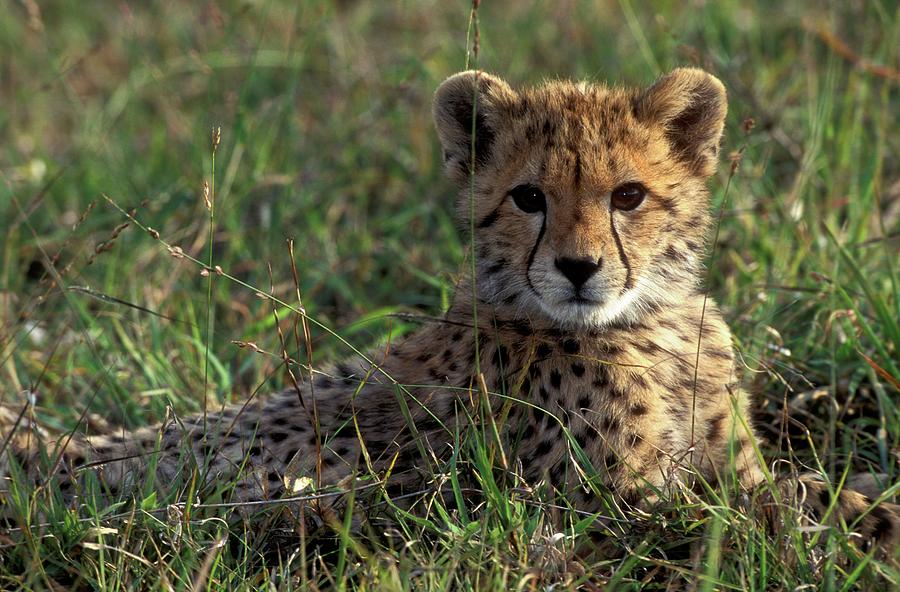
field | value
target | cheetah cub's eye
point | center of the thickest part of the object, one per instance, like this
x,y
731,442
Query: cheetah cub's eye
x,y
529,199
628,196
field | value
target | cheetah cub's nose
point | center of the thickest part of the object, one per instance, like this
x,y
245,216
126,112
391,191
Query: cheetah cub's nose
x,y
578,271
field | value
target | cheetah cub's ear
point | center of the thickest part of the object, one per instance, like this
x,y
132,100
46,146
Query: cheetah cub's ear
x,y
459,98
690,105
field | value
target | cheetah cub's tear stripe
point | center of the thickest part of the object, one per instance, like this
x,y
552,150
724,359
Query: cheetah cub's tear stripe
x,y
591,215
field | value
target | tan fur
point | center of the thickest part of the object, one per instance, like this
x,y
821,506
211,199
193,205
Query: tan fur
x,y
639,375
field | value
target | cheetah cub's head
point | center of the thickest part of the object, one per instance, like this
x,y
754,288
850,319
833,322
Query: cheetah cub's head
x,y
590,203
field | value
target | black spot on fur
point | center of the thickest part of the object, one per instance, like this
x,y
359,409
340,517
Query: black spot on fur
x,y
673,254
718,353
714,429
543,351
393,489
581,440
457,335
584,402
638,380
824,499
556,475
667,203
324,382
555,379
423,357
528,433
544,448
409,455
639,409
695,222
543,394
610,425
496,267
278,437
883,525
522,328
289,456
548,130
428,424
571,346
501,357
578,370
648,347
611,350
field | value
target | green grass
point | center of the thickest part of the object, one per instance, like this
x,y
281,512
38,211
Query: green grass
x,y
327,139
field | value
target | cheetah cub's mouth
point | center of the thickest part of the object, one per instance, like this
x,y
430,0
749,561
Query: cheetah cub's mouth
x,y
588,204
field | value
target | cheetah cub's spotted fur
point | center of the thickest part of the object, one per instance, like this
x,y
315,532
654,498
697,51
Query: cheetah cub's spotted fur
x,y
590,218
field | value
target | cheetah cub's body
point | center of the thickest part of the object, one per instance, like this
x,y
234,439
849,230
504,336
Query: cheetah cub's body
x,y
585,321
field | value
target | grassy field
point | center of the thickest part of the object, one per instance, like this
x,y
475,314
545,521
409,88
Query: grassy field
x,y
326,138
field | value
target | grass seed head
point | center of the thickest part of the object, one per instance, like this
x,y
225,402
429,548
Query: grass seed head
x,y
206,196
748,124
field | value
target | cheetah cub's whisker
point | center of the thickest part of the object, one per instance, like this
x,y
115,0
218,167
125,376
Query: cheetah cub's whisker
x,y
591,215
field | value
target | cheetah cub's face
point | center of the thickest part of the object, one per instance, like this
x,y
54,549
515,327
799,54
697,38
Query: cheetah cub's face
x,y
589,202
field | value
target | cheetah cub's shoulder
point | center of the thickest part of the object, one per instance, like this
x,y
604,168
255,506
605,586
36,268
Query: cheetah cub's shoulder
x,y
584,315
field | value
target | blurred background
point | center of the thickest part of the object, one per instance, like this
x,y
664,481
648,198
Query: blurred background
x,y
326,138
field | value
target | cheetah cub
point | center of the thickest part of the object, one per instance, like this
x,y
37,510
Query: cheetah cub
x,y
584,329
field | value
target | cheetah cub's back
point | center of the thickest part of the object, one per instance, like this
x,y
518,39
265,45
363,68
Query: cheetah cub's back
x,y
590,215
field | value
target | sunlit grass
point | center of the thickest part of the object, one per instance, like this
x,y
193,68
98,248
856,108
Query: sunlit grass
x,y
326,139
